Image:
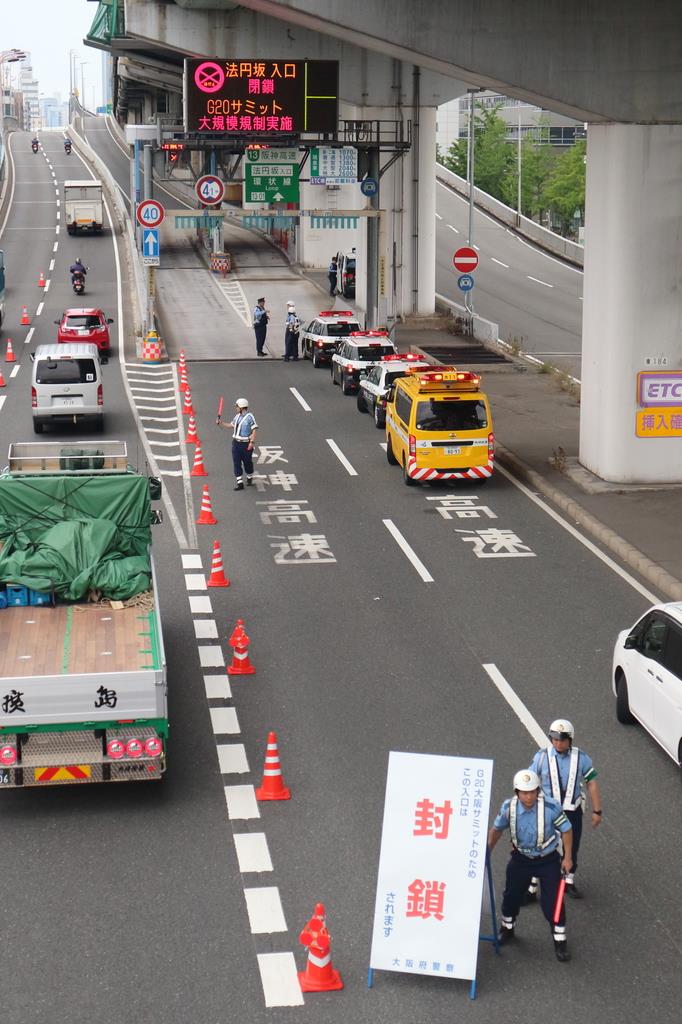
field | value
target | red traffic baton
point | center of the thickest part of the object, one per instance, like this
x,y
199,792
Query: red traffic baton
x,y
220,409
559,900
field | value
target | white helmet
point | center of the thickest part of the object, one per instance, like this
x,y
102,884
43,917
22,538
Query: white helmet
x,y
291,305
526,781
561,729
242,403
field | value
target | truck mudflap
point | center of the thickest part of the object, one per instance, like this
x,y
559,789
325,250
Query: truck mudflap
x,y
128,754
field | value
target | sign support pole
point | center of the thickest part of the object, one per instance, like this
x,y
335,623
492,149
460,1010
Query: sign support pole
x,y
373,243
468,297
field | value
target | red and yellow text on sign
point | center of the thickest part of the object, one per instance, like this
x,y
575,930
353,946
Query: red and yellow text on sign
x,y
62,773
659,421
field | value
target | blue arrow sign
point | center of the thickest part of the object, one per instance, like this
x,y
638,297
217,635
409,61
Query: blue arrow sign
x,y
465,282
150,242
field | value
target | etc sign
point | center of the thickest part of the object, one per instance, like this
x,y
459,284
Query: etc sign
x,y
659,387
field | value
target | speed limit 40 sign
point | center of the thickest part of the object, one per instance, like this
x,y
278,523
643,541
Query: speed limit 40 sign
x,y
210,190
149,213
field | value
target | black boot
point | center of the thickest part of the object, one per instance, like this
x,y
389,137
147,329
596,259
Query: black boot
x,y
561,952
506,935
239,486
573,891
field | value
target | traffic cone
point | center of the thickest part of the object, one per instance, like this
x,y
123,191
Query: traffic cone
x,y
9,355
25,318
319,974
2,381
272,787
184,382
217,577
192,436
187,407
237,631
240,664
41,280
198,469
183,361
206,517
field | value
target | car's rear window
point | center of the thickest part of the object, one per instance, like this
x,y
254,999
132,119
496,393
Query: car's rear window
x,y
390,377
66,371
341,330
436,414
82,321
370,353
350,266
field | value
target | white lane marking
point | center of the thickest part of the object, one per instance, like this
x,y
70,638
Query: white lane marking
x,y
517,705
217,687
341,457
500,263
56,230
170,472
46,286
58,214
40,308
541,252
138,389
164,444
383,444
279,979
200,604
210,655
538,281
224,721
168,458
59,202
15,371
160,419
160,430
51,267
232,758
195,581
453,228
438,217
241,803
407,550
205,629
301,399
29,336
252,852
55,246
190,561
2,400
153,408
264,908
476,247
651,598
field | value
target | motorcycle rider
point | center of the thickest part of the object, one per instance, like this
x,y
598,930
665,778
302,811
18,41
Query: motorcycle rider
x,y
77,268
35,144
67,144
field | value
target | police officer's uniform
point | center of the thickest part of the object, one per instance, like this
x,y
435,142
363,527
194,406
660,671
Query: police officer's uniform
x,y
292,327
535,836
243,426
260,328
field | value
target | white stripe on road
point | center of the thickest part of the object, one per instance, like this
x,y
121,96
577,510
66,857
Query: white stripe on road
x,y
46,287
264,908
51,267
241,803
210,655
55,246
205,629
453,228
301,399
217,687
279,979
224,721
154,408
40,308
191,562
252,852
500,263
164,444
29,336
194,581
341,457
538,281
2,400
407,550
160,419
200,605
167,458
438,217
161,430
15,371
517,705
232,758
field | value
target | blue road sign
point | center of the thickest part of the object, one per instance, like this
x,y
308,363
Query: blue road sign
x,y
465,282
369,186
150,242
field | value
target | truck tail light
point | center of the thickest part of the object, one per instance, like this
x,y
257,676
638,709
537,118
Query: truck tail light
x,y
100,395
491,445
34,398
413,446
115,749
8,754
134,747
153,747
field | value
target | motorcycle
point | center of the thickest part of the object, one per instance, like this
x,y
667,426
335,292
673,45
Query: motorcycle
x,y
34,147
67,148
78,282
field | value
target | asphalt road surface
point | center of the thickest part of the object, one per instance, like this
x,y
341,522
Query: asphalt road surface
x,y
131,900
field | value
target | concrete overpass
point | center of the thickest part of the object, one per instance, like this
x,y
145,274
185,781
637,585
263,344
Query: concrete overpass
x,y
615,65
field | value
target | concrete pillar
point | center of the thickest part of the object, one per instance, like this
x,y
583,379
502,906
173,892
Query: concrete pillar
x,y
425,156
632,305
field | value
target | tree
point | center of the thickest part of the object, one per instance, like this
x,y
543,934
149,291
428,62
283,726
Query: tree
x,y
493,156
564,192
537,160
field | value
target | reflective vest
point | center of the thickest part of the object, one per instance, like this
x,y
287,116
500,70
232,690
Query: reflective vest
x,y
540,842
573,797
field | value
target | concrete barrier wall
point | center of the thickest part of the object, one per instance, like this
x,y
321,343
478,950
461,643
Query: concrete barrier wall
x,y
543,237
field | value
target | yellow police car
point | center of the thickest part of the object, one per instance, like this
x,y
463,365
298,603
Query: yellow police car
x,y
439,426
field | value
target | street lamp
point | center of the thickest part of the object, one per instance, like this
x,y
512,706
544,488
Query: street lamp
x,y
6,57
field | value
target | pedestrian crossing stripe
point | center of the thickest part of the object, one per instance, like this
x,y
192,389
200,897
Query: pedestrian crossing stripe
x,y
61,773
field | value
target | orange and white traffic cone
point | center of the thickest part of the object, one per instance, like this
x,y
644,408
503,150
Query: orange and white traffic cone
x,y
239,628
192,436
187,407
41,280
272,787
198,469
184,381
240,664
217,577
319,974
2,381
206,517
25,318
9,355
182,360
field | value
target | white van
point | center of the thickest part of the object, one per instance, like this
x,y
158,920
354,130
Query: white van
x,y
66,385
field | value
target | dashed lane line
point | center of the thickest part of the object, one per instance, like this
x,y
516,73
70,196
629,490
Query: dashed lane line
x,y
538,281
264,907
408,551
300,399
341,457
516,704
252,852
224,721
15,371
241,803
232,759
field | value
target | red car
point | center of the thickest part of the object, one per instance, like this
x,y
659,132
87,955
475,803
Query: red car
x,y
85,325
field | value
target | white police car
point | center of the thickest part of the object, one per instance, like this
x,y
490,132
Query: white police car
x,y
374,387
356,355
319,338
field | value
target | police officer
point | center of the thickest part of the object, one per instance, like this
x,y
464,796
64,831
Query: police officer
x,y
260,326
536,823
332,274
564,770
292,326
243,427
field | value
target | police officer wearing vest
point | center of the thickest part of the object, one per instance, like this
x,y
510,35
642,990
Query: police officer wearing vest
x,y
243,426
537,825
564,770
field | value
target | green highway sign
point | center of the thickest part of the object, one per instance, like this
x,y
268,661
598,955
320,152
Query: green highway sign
x,y
271,176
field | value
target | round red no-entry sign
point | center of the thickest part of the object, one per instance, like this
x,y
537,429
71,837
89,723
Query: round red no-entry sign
x,y
465,259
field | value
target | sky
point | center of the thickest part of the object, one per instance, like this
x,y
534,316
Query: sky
x,y
48,29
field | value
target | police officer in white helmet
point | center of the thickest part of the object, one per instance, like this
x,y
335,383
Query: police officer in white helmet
x,y
538,826
564,770
243,426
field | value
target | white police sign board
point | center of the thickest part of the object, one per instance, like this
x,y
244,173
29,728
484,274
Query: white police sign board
x,y
432,865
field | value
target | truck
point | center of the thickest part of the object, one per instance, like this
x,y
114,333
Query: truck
x,y
83,690
83,206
